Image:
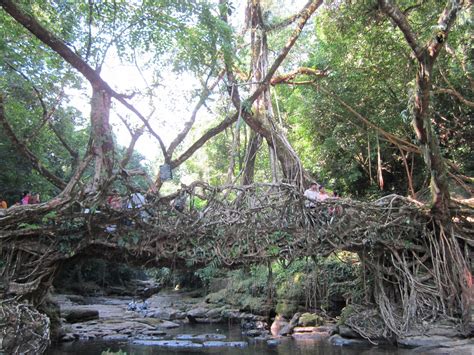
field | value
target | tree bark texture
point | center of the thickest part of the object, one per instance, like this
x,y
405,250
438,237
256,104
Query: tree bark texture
x,y
103,145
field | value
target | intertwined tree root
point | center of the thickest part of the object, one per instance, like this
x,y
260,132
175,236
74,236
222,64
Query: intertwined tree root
x,y
23,329
417,266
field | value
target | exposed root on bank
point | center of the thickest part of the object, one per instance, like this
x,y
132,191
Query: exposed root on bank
x,y
24,330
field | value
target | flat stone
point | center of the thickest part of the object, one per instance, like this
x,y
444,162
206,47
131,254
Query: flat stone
x,y
80,315
169,343
304,329
167,325
199,312
214,313
457,350
337,340
314,336
443,331
417,341
184,337
228,344
147,337
210,337
167,314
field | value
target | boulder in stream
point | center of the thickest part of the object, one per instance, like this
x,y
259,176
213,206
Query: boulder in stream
x,y
77,315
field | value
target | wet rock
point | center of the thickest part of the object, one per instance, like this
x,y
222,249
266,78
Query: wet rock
x,y
273,342
167,324
304,329
337,340
288,329
147,337
313,336
214,313
456,347
169,343
184,337
68,337
428,341
231,314
210,337
325,329
347,332
255,332
166,314
229,344
197,312
80,315
147,292
446,331
77,299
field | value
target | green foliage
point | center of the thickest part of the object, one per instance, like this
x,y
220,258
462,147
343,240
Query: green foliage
x,y
310,319
286,308
345,314
111,352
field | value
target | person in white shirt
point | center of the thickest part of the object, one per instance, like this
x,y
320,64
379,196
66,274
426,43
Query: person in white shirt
x,y
312,195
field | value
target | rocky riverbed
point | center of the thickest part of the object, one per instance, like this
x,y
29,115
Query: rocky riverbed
x,y
164,319
152,322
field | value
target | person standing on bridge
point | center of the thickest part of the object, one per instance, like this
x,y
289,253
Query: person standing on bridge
x,y
25,198
322,194
311,195
115,201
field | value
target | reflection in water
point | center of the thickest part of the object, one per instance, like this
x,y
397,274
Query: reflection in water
x,y
286,347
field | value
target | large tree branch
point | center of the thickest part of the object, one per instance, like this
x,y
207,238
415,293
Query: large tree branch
x,y
56,44
401,21
189,124
200,142
306,13
445,22
23,149
287,78
456,94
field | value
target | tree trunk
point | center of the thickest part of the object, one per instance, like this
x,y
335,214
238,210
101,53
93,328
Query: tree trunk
x,y
426,56
261,120
255,142
103,145
428,141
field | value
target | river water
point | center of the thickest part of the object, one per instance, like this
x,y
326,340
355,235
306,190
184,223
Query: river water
x,y
286,346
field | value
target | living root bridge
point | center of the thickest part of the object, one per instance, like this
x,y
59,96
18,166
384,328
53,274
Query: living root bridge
x,y
417,267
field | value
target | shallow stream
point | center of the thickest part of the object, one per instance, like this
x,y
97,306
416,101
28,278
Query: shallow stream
x,y
286,346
